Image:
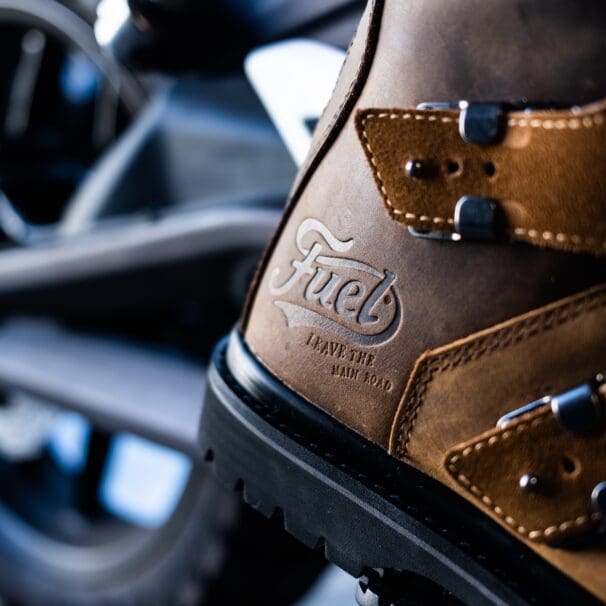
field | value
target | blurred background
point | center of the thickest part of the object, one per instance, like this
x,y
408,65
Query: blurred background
x,y
146,151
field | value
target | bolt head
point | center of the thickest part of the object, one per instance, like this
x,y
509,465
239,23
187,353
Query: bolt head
x,y
529,482
415,169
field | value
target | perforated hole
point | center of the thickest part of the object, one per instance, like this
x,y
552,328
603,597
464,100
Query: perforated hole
x,y
570,466
490,169
452,167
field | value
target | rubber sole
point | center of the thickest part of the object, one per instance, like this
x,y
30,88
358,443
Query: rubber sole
x,y
367,511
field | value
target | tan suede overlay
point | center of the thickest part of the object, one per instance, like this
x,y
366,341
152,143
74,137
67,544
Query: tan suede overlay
x,y
460,390
567,468
548,165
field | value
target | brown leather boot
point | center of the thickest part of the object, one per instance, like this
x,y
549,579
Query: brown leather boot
x,y
415,381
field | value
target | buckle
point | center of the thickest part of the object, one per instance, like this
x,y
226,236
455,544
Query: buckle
x,y
579,410
480,123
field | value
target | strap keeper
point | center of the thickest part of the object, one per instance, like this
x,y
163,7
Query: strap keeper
x,y
480,123
475,218
578,411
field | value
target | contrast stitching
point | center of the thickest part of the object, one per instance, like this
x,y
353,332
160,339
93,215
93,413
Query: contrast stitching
x,y
588,121
533,535
558,237
408,216
473,350
268,413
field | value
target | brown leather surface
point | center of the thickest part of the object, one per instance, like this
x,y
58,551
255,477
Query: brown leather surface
x,y
566,467
446,290
356,365
459,391
352,75
545,168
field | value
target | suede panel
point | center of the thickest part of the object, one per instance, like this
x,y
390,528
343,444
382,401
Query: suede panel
x,y
566,467
547,167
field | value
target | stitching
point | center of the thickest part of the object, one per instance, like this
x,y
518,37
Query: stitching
x,y
473,350
325,142
453,533
347,94
588,121
559,237
392,209
533,535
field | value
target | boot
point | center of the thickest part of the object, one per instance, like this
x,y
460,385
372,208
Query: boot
x,y
416,380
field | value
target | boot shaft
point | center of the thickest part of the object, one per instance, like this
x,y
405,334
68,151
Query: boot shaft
x,y
443,266
345,282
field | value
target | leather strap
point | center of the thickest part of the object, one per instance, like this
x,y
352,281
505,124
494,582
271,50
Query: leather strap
x,y
461,389
566,468
546,173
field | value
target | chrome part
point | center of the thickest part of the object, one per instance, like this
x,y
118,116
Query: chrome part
x,y
135,244
106,115
26,423
415,169
111,17
17,229
514,414
437,105
38,358
529,482
24,83
434,235
57,20
578,410
598,499
474,218
480,123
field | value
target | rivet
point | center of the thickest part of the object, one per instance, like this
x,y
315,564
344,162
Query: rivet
x,y
598,499
529,482
415,169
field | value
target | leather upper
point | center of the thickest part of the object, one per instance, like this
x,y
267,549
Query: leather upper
x,y
492,466
349,309
539,173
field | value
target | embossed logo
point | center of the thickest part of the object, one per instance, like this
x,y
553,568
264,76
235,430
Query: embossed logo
x,y
328,290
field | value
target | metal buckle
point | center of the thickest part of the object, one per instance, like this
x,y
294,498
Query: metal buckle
x,y
480,123
578,410
474,217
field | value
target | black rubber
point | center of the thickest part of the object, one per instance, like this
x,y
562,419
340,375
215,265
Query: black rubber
x,y
368,511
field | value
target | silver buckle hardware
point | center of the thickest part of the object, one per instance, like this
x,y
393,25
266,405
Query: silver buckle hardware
x,y
578,410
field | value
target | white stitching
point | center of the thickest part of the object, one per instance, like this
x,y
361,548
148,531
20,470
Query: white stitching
x,y
407,215
560,237
509,520
588,121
